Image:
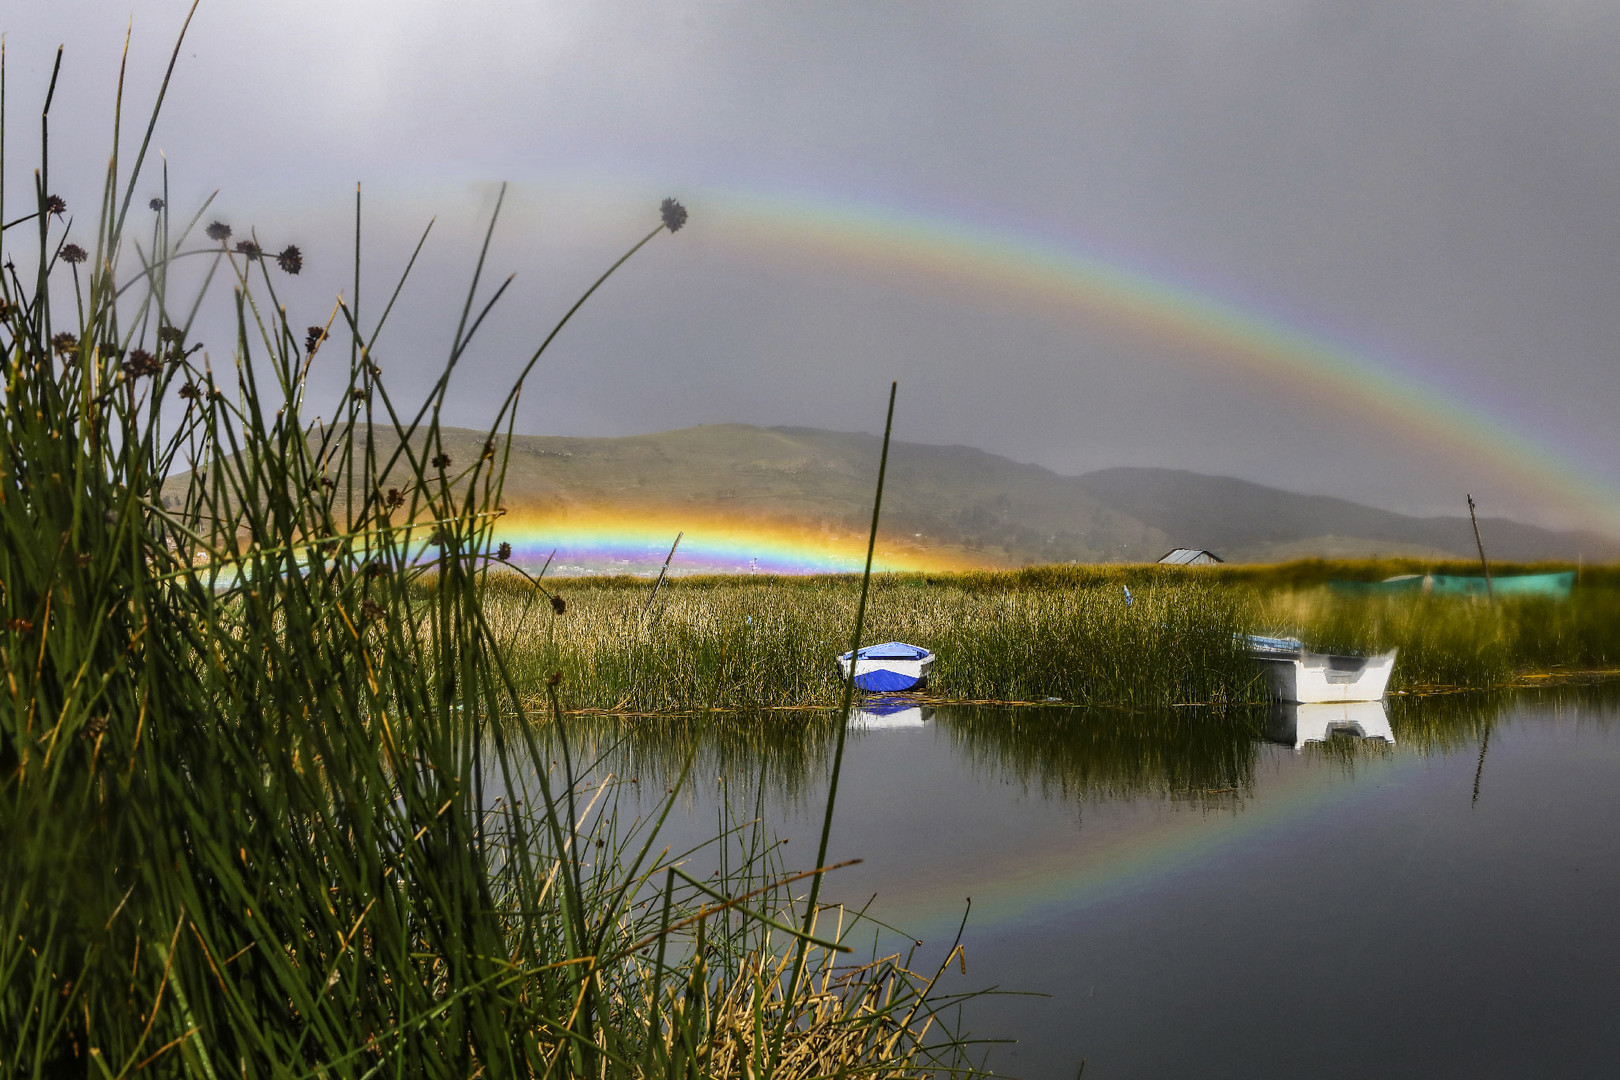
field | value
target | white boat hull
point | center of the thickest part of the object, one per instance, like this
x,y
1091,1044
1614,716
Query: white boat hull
x,y
1308,678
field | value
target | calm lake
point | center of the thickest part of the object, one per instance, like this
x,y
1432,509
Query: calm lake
x,y
1193,898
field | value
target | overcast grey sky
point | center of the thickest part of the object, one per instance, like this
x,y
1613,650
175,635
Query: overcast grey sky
x,y
1431,184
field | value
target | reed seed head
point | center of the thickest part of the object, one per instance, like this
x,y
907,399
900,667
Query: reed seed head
x,y
313,338
394,499
370,609
64,343
190,392
559,605
55,205
218,230
441,461
291,259
141,364
554,678
674,215
249,248
171,335
155,204
94,727
503,552
73,254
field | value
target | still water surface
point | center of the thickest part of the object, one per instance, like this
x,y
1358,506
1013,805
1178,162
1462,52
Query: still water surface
x,y
1193,899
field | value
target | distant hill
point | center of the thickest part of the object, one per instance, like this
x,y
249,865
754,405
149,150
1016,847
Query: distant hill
x,y
977,506
1263,524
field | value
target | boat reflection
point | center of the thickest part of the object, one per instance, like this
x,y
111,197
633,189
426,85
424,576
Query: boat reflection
x,y
878,714
1295,725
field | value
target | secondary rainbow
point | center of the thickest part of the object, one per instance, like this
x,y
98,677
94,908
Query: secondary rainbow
x,y
1028,884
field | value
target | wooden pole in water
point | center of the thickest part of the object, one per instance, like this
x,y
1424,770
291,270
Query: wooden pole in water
x,y
659,583
1490,594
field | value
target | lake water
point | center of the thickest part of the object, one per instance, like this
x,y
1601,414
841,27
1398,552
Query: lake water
x,y
1193,899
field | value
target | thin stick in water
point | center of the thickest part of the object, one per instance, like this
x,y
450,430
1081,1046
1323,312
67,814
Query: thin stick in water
x,y
660,582
1489,594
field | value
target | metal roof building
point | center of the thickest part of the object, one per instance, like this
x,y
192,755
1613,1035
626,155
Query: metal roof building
x,y
1190,557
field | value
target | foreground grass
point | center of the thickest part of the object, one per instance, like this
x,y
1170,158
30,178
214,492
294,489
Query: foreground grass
x,y
271,808
1050,633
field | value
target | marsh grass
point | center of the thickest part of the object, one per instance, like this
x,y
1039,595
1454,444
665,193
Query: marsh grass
x,y
269,805
748,643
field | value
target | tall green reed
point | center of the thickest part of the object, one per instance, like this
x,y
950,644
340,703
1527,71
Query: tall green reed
x,y
757,644
260,807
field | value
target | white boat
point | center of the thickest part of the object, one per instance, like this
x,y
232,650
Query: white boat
x,y
1296,725
1295,674
894,665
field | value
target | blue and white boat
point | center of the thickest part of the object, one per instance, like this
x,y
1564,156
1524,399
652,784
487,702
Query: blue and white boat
x,y
894,665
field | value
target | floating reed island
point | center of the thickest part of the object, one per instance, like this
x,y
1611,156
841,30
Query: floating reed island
x,y
1064,634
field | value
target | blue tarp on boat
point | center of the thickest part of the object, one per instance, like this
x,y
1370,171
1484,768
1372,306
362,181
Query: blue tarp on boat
x,y
883,681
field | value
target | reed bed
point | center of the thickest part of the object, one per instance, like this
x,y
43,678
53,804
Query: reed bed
x,y
749,643
1458,643
1059,634
270,806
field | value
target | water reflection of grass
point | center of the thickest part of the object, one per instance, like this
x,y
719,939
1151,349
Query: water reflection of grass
x,y
790,754
1450,722
1069,753
1203,755
1197,754
1028,636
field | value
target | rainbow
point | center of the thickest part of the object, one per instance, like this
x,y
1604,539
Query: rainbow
x,y
995,266
637,542
1001,267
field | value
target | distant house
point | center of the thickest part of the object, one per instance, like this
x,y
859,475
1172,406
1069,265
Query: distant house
x,y
1190,557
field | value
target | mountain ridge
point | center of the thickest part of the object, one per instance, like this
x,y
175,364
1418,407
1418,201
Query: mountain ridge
x,y
978,506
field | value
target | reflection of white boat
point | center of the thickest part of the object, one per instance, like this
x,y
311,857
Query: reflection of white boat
x,y
891,666
880,715
1295,725
1294,674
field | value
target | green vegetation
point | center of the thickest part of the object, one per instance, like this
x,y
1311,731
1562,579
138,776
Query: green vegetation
x,y
1031,635
270,807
